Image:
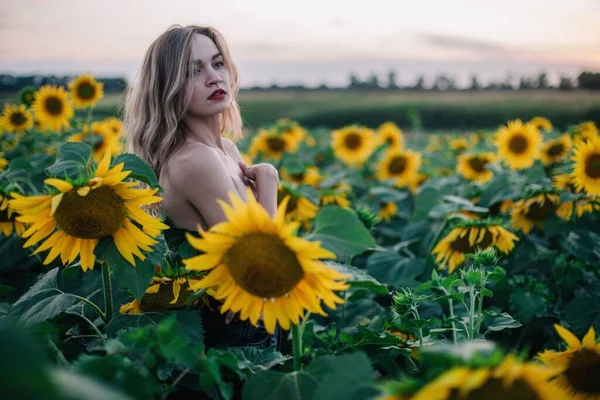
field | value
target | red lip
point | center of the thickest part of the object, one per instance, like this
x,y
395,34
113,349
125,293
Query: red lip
x,y
218,92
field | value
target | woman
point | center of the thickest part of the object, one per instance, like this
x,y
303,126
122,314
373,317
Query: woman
x,y
182,103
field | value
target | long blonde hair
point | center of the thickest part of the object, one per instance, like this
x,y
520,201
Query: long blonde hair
x,y
161,94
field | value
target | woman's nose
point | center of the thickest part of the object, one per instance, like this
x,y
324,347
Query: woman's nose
x,y
213,77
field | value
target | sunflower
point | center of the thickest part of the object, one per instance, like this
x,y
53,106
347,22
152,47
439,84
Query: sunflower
x,y
86,91
584,132
334,196
580,206
555,150
433,144
8,221
101,137
353,144
512,379
27,95
3,163
272,144
473,166
586,171
308,176
533,210
388,133
400,165
387,211
258,266
114,125
459,145
475,138
293,129
298,208
52,108
579,365
419,180
16,119
518,144
467,237
541,123
163,293
85,213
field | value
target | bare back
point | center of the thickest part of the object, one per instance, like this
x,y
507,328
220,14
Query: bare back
x,y
194,177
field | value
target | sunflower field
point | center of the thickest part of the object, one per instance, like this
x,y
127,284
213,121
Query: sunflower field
x,y
399,265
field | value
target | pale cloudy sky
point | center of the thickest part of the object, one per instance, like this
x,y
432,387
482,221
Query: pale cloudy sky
x,y
311,41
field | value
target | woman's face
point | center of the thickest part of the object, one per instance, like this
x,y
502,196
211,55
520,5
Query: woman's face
x,y
208,75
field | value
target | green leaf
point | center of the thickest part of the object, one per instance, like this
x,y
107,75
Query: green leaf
x,y
427,198
135,278
43,301
497,274
341,231
358,277
274,385
71,159
140,170
78,386
252,360
501,321
582,313
486,292
388,267
388,195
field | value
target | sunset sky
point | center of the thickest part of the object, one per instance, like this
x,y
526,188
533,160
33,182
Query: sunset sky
x,y
311,42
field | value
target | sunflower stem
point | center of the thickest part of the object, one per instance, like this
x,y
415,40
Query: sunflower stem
x,y
90,323
343,313
471,313
108,303
297,347
89,303
480,305
451,307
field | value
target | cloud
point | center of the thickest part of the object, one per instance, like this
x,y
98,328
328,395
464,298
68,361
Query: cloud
x,y
462,43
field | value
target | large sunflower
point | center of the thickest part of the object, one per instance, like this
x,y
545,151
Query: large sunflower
x,y
512,379
8,222
308,176
294,130
76,217
298,208
467,237
257,265
353,144
52,108
518,144
101,137
16,118
272,144
586,171
580,206
86,91
579,365
388,133
584,132
402,166
541,123
533,210
556,150
473,166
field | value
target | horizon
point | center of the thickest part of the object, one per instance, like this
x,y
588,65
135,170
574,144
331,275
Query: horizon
x,y
302,47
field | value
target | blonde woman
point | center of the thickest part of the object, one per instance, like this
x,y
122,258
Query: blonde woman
x,y
177,112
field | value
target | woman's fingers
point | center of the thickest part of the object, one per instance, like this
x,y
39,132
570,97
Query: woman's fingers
x,y
248,171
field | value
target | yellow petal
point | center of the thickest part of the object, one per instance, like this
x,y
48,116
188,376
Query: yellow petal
x,y
83,191
153,289
103,166
61,185
568,337
176,289
56,202
589,340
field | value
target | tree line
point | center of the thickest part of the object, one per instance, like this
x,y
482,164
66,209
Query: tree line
x,y
586,80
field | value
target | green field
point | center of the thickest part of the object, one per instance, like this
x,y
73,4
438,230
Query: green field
x,y
430,110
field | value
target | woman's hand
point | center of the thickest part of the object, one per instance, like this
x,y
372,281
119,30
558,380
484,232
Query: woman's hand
x,y
259,172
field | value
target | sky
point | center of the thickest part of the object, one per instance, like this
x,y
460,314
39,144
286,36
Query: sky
x,y
312,41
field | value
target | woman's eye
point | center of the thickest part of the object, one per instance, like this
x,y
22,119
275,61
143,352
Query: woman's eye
x,y
219,64
196,70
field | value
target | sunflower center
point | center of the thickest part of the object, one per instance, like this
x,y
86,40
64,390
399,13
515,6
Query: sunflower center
x,y
389,140
263,265
462,244
94,216
162,299
592,166
4,216
497,389
276,144
537,211
352,141
298,177
517,144
583,372
54,105
86,91
477,164
556,150
18,119
397,165
292,205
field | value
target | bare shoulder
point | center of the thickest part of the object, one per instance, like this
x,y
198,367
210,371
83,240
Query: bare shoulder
x,y
193,161
232,150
